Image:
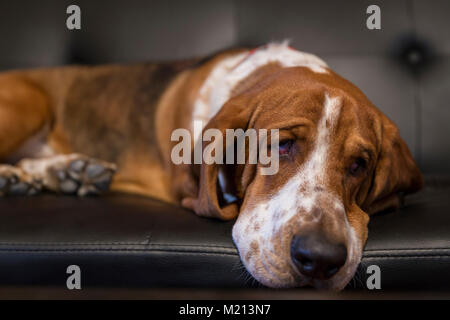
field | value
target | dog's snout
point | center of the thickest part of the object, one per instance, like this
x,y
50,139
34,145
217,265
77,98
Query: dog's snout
x,y
317,257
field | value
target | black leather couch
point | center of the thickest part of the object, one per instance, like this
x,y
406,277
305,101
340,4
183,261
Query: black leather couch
x,y
132,242
123,241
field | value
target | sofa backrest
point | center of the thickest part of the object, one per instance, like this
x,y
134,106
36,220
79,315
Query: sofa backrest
x,y
404,68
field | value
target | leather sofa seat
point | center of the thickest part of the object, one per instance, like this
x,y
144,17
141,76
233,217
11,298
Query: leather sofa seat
x,y
135,242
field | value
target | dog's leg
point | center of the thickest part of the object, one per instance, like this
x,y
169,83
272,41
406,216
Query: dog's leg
x,y
24,110
68,174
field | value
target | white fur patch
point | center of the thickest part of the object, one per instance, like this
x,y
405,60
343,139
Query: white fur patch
x,y
202,106
312,174
223,78
293,204
38,168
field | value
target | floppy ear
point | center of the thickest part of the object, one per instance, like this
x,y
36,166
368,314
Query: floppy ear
x,y
396,173
208,202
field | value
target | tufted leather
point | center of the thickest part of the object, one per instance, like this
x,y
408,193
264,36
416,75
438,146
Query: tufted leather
x,y
131,241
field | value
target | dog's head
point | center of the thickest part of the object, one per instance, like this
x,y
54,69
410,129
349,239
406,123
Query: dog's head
x,y
340,159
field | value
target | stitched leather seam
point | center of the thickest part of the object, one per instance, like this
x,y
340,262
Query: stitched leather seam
x,y
406,249
71,243
100,244
407,253
183,251
409,257
59,244
121,250
441,256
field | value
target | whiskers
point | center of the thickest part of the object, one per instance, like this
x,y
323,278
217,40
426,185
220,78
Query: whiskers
x,y
358,279
245,276
238,266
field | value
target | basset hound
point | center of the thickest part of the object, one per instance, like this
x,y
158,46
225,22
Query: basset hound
x,y
87,130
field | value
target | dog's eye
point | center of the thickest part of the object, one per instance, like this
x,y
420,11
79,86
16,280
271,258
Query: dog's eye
x,y
285,147
357,166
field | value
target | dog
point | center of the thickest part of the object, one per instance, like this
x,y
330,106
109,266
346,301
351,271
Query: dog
x,y
87,130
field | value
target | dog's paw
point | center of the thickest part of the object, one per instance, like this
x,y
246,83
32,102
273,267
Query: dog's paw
x,y
15,182
82,175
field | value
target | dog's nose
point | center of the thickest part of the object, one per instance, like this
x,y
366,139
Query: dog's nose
x,y
316,257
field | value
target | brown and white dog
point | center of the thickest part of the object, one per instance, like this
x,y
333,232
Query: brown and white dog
x,y
86,130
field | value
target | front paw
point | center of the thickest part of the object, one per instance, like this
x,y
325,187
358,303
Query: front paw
x,y
83,176
15,182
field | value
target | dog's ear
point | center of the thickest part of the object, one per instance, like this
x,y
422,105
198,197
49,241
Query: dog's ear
x,y
396,173
218,183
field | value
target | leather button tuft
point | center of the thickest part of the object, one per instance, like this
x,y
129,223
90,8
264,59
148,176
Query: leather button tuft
x,y
414,53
